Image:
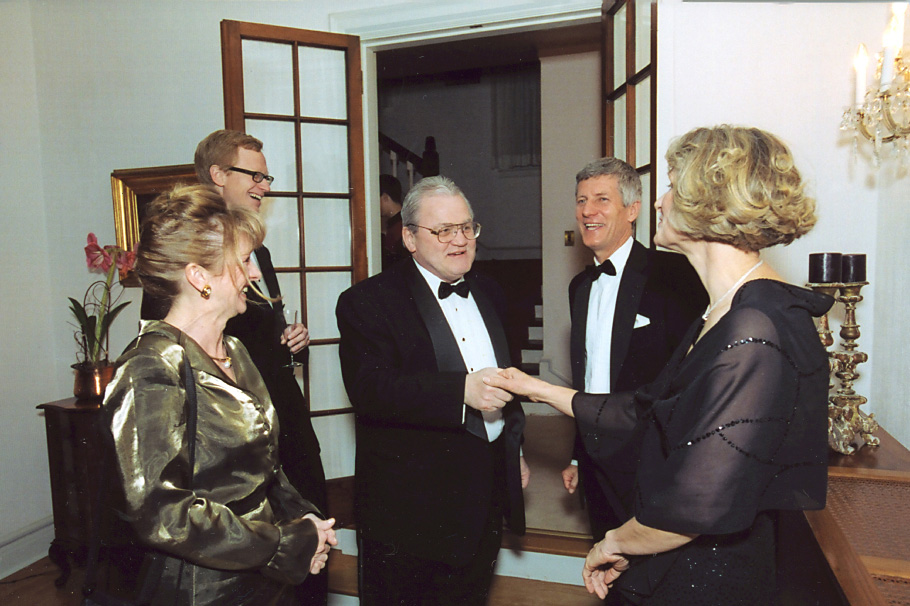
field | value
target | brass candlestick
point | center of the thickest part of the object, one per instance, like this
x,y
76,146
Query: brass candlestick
x,y
846,421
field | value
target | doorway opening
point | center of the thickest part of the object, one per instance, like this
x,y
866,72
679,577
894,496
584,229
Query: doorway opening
x,y
458,93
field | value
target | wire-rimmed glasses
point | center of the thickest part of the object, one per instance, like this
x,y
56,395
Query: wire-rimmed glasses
x,y
447,233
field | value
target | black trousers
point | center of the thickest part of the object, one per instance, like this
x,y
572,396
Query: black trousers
x,y
389,577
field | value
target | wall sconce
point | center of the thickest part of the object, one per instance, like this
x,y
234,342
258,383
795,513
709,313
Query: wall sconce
x,y
881,112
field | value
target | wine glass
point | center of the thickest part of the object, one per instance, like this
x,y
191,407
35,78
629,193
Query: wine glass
x,y
288,315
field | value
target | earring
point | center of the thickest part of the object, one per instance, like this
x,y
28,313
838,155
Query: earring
x,y
206,292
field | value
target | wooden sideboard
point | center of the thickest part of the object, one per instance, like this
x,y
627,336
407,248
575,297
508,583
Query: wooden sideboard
x,y
856,551
75,464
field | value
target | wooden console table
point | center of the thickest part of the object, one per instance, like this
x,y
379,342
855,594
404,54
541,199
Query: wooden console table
x,y
856,551
75,464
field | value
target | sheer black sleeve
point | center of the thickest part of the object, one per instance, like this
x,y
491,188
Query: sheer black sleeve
x,y
743,431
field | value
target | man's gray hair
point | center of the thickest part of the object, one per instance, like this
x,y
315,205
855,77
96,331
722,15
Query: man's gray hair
x,y
429,186
628,178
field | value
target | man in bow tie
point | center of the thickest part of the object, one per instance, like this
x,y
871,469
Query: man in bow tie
x,y
629,312
438,465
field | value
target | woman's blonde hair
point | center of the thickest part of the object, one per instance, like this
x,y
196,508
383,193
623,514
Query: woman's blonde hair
x,y
738,186
191,224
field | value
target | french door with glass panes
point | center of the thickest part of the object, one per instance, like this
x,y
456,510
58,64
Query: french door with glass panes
x,y
629,63
299,91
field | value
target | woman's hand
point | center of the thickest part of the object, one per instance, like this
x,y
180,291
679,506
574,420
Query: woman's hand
x,y
326,540
517,382
296,337
603,566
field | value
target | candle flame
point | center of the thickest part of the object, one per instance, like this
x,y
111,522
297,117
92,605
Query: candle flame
x,y
862,57
891,38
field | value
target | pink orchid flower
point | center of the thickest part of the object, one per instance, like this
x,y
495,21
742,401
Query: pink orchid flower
x,y
125,261
95,256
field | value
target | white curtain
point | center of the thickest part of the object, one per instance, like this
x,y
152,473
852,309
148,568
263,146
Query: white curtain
x,y
516,118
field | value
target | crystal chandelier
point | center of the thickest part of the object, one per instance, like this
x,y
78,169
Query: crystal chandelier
x,y
881,112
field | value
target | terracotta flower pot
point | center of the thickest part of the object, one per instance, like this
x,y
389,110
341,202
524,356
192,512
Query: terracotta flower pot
x,y
91,380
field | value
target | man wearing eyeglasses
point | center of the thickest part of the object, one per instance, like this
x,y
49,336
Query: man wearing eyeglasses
x,y
438,465
233,163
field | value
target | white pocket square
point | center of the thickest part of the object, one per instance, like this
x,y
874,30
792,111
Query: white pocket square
x,y
641,321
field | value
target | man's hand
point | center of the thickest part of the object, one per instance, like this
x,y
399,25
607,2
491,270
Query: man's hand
x,y
327,539
483,397
570,478
525,472
296,337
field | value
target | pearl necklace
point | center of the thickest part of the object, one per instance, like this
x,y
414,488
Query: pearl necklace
x,y
732,288
225,361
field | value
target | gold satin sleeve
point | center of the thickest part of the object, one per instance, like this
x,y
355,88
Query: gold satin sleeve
x,y
227,521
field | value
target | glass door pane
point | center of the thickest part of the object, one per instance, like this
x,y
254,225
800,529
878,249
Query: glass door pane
x,y
322,83
268,74
643,224
279,148
642,34
643,122
324,157
619,48
619,128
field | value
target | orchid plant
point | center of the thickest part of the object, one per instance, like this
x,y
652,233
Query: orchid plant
x,y
99,307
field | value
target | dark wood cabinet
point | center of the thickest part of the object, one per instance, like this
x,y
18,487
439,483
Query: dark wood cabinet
x,y
74,455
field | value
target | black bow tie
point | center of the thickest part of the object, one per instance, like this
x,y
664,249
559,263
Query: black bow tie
x,y
460,289
605,268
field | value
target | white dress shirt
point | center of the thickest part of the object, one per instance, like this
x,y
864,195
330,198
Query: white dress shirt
x,y
473,340
599,327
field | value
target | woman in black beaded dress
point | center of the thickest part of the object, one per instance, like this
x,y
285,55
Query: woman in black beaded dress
x,y
735,428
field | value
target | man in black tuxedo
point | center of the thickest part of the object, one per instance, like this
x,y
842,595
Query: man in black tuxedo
x,y
438,463
629,312
233,163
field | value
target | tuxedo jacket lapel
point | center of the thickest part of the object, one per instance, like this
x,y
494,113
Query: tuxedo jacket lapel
x,y
628,298
579,328
264,258
493,323
448,356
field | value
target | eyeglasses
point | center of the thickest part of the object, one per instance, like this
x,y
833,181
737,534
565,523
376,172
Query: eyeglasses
x,y
471,231
258,177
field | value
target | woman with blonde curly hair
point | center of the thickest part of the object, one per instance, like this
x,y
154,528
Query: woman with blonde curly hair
x,y
734,429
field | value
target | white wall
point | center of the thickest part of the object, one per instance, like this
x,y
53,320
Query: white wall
x,y
762,64
29,352
570,138
88,87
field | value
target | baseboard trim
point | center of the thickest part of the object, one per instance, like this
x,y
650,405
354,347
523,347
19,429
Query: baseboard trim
x,y
26,546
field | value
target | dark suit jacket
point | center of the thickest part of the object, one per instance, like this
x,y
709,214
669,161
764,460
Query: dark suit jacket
x,y
259,328
423,483
662,287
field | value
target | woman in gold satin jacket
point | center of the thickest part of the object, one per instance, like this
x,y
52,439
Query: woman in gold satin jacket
x,y
242,534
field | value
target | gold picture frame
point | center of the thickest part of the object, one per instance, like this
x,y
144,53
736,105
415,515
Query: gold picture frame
x,y
132,189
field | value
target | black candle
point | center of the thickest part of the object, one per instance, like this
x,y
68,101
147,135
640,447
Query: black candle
x,y
825,268
853,268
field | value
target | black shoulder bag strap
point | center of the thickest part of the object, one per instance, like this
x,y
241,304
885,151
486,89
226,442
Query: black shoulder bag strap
x,y
155,558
